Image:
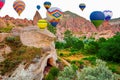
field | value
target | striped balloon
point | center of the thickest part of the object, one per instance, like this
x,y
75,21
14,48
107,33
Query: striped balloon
x,y
19,6
2,2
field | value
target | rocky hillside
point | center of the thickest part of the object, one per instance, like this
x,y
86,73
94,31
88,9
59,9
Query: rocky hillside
x,y
82,27
115,21
27,55
8,21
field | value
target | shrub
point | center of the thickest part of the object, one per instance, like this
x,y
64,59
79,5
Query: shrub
x,y
60,45
49,77
92,59
101,40
91,48
51,28
99,72
10,39
110,49
78,45
6,30
69,73
54,71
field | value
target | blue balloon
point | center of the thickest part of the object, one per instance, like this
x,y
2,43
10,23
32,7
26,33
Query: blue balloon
x,y
82,6
97,18
38,7
97,15
54,23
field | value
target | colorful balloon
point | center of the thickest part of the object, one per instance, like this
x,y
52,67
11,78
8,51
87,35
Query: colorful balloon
x,y
19,6
97,18
38,7
108,14
42,24
82,6
54,15
2,2
47,4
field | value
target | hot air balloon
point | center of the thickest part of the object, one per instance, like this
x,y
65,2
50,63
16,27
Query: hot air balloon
x,y
38,7
2,2
42,24
82,6
47,4
19,6
54,15
108,14
97,18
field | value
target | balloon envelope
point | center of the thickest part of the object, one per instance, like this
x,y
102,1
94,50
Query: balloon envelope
x,y
97,18
47,4
2,2
38,7
19,6
42,24
108,14
82,6
54,15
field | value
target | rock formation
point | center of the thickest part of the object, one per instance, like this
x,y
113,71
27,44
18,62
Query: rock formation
x,y
36,17
34,37
79,26
8,21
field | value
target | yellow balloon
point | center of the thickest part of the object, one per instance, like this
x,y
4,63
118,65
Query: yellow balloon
x,y
42,24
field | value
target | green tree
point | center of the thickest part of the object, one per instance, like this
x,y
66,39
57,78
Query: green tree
x,y
51,28
67,33
110,49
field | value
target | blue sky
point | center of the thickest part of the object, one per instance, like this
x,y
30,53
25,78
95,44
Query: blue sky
x,y
64,5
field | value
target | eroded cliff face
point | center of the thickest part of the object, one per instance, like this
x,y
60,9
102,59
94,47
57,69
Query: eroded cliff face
x,y
34,37
36,17
80,26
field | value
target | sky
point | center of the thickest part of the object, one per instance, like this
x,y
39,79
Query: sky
x,y
64,5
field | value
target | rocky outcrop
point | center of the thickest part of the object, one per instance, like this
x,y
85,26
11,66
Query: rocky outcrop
x,y
2,24
4,49
79,26
36,17
8,21
43,39
3,36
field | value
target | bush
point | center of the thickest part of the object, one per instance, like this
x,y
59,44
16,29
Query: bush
x,y
69,73
92,59
10,39
91,48
78,45
54,71
60,45
49,77
52,74
51,28
99,72
101,40
110,49
6,30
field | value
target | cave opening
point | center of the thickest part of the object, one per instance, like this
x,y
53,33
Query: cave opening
x,y
50,64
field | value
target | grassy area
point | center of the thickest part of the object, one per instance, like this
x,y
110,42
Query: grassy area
x,y
85,59
20,53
